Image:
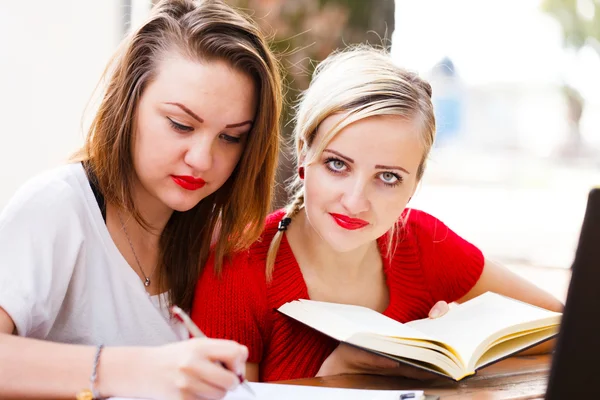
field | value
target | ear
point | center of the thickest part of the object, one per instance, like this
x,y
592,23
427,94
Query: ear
x,y
301,159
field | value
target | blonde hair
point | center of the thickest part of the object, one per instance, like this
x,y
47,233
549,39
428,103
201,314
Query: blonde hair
x,y
359,82
233,216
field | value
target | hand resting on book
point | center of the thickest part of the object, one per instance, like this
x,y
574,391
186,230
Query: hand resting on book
x,y
346,359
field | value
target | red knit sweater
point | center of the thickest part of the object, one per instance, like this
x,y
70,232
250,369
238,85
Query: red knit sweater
x,y
430,263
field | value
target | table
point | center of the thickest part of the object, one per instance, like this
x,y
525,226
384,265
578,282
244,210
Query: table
x,y
523,378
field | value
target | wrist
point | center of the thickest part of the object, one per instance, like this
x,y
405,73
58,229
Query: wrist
x,y
124,371
92,392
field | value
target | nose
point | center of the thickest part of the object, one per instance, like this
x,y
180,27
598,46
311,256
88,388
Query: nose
x,y
355,198
200,153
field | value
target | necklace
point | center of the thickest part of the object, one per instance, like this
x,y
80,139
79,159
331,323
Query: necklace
x,y
146,278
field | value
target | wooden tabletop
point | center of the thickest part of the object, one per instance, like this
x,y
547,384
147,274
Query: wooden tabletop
x,y
522,378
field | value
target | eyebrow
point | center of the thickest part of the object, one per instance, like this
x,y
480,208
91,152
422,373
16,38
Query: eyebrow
x,y
378,166
199,119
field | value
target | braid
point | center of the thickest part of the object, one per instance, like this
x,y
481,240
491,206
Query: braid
x,y
296,205
291,210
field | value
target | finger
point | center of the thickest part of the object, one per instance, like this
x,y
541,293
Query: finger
x,y
208,380
232,354
440,308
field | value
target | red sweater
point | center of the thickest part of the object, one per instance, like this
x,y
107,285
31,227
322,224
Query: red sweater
x,y
430,263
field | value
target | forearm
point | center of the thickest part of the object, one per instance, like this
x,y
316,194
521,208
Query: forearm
x,y
34,368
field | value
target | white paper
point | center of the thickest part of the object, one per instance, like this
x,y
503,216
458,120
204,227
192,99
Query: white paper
x,y
270,391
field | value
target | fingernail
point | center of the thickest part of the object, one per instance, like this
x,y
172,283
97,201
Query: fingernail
x,y
241,370
434,313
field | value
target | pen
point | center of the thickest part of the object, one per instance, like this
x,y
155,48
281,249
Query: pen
x,y
196,332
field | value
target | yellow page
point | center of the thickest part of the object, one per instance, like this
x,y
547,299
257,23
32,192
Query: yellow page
x,y
507,347
483,318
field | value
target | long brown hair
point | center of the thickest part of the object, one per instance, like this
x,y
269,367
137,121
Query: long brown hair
x,y
359,82
234,215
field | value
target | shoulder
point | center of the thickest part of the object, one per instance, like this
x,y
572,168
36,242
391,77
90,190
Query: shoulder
x,y
432,243
431,233
422,224
41,236
52,197
422,228
451,265
415,228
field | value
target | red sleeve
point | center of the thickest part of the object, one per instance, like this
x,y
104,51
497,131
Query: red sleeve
x,y
233,305
451,265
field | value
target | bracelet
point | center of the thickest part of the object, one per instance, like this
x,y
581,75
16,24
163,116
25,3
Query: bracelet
x,y
94,375
91,393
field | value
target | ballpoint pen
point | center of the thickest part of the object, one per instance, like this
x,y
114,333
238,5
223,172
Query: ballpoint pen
x,y
196,332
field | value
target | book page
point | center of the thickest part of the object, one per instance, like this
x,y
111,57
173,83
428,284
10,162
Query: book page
x,y
342,321
506,348
469,324
270,391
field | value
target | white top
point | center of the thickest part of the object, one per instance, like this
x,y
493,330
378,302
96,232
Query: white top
x,y
63,279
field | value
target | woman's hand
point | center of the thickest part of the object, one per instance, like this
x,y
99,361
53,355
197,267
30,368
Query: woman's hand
x,y
192,369
346,359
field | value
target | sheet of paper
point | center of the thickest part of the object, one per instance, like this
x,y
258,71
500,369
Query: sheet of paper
x,y
270,391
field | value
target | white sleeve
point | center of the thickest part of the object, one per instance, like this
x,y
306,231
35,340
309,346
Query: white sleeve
x,y
40,242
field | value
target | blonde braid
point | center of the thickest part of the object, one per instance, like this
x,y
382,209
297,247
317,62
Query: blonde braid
x,y
291,210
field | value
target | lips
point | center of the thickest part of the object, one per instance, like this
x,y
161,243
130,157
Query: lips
x,y
347,222
188,182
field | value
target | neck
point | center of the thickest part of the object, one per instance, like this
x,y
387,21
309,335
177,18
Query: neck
x,y
326,261
153,211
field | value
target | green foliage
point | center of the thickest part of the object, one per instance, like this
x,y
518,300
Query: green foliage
x,y
578,30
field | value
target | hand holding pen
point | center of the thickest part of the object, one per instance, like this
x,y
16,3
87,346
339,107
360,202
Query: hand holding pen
x,y
196,332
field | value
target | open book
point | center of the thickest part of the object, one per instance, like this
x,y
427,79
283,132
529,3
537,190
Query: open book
x,y
470,336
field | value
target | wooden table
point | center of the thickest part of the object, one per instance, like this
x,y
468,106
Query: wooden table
x,y
520,378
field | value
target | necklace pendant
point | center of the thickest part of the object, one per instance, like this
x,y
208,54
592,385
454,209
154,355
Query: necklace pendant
x,y
147,282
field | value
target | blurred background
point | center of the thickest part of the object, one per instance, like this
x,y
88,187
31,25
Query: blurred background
x,y
516,88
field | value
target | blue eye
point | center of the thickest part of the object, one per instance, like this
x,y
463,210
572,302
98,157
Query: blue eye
x,y
180,127
335,165
390,178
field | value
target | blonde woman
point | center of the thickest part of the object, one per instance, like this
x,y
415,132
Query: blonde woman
x,y
363,133
182,151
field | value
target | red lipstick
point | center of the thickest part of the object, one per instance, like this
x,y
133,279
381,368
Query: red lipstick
x,y
349,223
188,182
